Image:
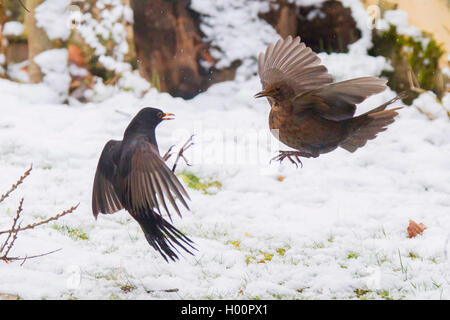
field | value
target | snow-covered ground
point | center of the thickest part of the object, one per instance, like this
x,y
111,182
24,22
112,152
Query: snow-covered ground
x,y
334,229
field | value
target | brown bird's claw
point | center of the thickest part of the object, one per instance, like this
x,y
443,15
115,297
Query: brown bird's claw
x,y
293,157
168,154
186,146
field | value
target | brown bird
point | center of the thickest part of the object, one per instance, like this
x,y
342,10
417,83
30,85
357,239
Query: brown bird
x,y
309,112
131,175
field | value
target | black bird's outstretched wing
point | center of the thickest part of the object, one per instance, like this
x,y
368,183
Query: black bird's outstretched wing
x,y
104,197
148,182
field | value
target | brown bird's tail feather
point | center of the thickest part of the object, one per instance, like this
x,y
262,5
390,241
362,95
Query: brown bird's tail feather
x,y
366,126
163,236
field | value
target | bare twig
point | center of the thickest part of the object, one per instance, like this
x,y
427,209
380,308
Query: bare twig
x,y
14,233
123,113
7,259
11,244
168,154
163,290
11,231
14,186
34,225
23,6
186,146
15,228
414,83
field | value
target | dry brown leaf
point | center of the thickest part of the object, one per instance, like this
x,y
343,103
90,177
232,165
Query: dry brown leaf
x,y
415,229
206,55
76,56
75,84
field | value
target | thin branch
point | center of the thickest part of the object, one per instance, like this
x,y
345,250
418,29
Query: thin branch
x,y
162,290
11,231
14,186
168,154
414,83
123,113
7,259
11,244
180,154
31,226
23,6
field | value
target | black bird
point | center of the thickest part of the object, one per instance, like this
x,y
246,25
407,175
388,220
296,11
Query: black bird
x,y
131,175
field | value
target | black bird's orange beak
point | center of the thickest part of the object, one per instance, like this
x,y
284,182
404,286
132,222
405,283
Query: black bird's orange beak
x,y
168,116
261,94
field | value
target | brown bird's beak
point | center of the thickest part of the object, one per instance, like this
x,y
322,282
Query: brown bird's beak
x,y
168,116
261,94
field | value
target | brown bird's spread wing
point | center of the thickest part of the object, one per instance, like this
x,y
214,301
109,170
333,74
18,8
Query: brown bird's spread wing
x,y
337,101
104,197
289,60
148,181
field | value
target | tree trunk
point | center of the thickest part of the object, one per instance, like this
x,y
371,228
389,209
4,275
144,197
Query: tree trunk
x,y
169,48
3,19
37,40
284,19
329,27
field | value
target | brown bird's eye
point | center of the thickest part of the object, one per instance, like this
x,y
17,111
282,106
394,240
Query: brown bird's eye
x,y
160,114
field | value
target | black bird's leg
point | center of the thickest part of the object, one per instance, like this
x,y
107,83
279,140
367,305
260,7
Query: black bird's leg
x,y
186,146
293,157
168,154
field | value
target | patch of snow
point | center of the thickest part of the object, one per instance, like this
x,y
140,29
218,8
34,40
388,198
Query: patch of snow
x,y
336,219
428,103
16,72
228,24
361,17
400,19
54,65
53,17
134,82
235,28
446,71
13,28
351,65
446,102
75,70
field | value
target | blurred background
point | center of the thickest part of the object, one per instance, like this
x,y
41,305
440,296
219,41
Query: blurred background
x,y
134,45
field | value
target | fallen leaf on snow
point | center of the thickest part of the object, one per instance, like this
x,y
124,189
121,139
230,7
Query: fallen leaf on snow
x,y
414,229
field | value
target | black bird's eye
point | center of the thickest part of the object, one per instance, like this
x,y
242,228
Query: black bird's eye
x,y
160,114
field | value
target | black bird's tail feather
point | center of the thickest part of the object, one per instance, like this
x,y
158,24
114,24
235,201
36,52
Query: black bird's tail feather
x,y
163,236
